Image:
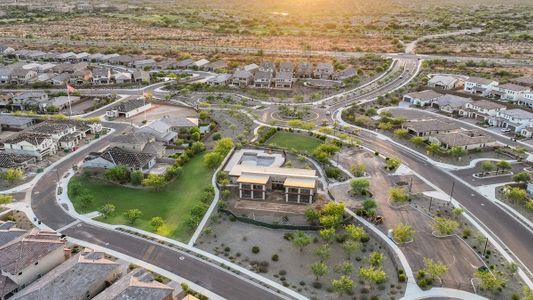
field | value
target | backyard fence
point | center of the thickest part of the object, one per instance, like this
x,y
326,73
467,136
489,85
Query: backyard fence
x,y
270,225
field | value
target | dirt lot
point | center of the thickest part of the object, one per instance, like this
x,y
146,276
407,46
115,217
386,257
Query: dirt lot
x,y
234,240
159,111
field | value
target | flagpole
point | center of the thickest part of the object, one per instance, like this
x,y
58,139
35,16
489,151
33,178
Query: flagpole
x,y
69,105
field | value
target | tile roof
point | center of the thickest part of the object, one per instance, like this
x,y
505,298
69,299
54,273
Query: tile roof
x,y
8,232
424,95
137,285
34,246
513,87
479,80
118,156
446,80
486,104
430,125
129,105
32,138
452,100
180,121
9,120
73,278
11,160
463,138
518,113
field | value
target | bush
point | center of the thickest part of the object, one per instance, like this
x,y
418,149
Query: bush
x,y
275,257
317,285
255,249
365,238
402,278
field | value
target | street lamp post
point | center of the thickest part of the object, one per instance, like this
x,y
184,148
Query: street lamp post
x,y
451,193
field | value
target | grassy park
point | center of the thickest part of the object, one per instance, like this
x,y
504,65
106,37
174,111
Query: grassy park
x,y
173,204
293,141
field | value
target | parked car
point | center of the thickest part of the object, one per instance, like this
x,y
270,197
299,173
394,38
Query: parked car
x,y
504,130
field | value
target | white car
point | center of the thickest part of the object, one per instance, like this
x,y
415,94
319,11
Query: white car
x,y
504,130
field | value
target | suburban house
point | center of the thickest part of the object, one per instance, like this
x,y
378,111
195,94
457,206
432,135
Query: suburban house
x,y
138,142
60,79
283,80
478,85
26,98
514,119
15,161
61,102
122,77
114,156
526,80
22,76
450,103
349,72
128,108
509,91
5,75
8,233
286,66
445,82
184,64
101,75
81,77
242,78
82,276
140,76
199,64
215,66
160,130
14,123
178,124
267,66
425,128
526,99
124,60
27,258
323,71
482,109
422,98
304,70
251,68
465,139
263,79
219,79
257,182
139,284
144,64
32,144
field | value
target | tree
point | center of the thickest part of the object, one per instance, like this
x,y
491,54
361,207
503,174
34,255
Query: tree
x,y
319,269
358,169
332,221
312,215
487,166
363,121
521,177
417,140
373,275
343,285
433,149
344,268
107,210
489,280
132,215
301,240
503,166
322,252
403,233
327,234
399,195
457,152
12,175
223,146
516,194
376,258
157,182
213,159
85,200
118,173
369,205
5,199
197,147
401,132
203,115
350,246
385,125
355,232
157,222
359,186
444,226
392,164
434,269
136,177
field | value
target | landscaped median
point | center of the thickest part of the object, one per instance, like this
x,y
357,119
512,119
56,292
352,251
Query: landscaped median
x,y
173,203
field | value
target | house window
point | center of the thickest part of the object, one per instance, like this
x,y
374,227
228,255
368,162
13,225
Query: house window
x,y
258,187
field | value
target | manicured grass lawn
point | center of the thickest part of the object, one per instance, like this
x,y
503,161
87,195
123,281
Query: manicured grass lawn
x,y
173,203
298,142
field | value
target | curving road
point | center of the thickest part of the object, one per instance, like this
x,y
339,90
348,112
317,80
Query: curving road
x,y
45,207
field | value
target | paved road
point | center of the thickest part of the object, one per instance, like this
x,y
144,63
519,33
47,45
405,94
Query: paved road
x,y
47,210
511,232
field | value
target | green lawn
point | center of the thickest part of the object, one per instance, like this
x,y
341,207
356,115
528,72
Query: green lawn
x,y
173,203
298,142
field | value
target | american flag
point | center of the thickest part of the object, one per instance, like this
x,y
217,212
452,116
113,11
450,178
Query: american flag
x,y
70,89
